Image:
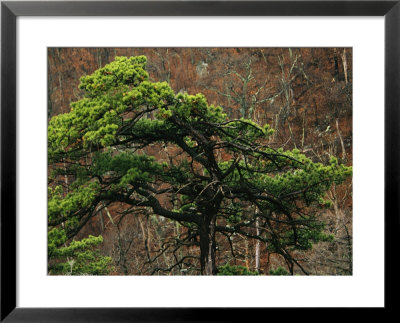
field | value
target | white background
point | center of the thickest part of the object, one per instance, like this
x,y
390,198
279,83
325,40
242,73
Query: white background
x,y
364,288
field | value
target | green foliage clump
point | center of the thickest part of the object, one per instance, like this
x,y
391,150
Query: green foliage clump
x,y
228,270
76,258
280,271
63,207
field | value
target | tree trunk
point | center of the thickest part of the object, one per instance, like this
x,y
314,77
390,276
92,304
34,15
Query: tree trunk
x,y
257,244
336,73
345,65
341,139
207,246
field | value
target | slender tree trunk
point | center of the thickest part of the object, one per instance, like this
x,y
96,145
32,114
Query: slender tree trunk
x,y
207,245
345,65
335,57
257,244
341,139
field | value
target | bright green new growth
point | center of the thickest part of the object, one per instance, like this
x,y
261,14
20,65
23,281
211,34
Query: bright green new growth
x,y
76,258
101,144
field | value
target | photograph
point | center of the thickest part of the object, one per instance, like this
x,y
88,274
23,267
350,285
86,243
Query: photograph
x,y
188,161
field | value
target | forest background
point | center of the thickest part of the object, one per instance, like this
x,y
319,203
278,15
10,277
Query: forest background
x,y
305,94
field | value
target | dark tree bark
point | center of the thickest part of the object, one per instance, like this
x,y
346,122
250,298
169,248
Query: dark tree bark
x,y
208,246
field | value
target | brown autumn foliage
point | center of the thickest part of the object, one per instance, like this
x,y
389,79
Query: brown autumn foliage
x,y
305,94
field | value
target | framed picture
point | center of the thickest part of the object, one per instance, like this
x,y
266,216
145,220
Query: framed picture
x,y
251,54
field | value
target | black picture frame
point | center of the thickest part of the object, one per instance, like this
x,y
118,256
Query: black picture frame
x,y
10,10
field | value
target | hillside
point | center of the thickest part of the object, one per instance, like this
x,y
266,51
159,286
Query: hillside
x,y
305,94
